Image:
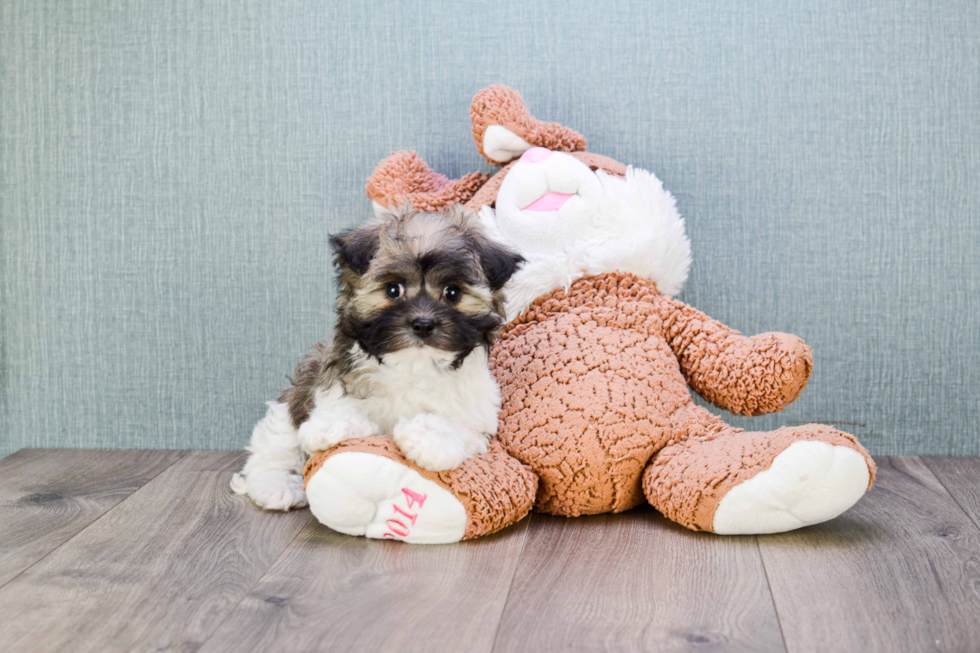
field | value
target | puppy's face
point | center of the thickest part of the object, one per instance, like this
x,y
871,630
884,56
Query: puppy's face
x,y
410,279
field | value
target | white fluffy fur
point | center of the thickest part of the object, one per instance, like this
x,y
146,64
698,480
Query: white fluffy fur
x,y
438,416
272,474
628,224
435,442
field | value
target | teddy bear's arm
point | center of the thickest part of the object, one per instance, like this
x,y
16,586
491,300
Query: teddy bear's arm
x,y
745,375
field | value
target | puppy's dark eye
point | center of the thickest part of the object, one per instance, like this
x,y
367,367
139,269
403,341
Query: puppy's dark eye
x,y
394,290
452,293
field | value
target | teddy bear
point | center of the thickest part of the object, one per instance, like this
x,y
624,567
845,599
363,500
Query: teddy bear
x,y
596,366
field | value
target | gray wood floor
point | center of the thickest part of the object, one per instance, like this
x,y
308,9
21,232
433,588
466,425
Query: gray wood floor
x,y
149,551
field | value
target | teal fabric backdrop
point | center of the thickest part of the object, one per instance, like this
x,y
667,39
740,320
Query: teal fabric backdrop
x,y
169,172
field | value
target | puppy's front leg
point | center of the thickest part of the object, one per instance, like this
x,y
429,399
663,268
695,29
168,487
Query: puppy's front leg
x,y
435,443
332,421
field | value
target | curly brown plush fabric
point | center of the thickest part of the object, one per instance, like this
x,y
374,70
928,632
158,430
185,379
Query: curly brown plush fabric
x,y
747,376
595,382
500,105
405,177
687,480
586,395
495,489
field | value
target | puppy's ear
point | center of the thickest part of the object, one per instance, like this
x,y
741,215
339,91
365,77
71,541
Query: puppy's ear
x,y
499,263
355,247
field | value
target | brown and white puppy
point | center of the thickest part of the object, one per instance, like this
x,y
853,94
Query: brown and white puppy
x,y
420,303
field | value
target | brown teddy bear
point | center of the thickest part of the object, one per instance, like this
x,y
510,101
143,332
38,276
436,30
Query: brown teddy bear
x,y
595,367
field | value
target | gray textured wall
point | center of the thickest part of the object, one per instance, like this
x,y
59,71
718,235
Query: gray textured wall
x,y
169,172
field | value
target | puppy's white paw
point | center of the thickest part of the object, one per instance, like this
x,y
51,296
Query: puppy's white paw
x,y
274,490
359,493
808,483
324,430
435,443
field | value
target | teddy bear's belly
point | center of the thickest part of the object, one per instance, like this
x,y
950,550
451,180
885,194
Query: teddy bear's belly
x,y
586,407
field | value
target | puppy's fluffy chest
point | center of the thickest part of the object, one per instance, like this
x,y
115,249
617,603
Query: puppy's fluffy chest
x,y
422,380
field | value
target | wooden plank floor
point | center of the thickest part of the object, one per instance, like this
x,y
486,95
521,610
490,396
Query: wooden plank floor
x,y
150,551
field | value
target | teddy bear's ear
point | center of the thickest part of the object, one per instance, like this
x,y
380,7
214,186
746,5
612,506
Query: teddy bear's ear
x,y
404,178
503,128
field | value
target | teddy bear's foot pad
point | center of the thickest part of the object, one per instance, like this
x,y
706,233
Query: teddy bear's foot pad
x,y
360,493
808,483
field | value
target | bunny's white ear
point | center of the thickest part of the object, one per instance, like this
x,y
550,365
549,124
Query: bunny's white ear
x,y
503,145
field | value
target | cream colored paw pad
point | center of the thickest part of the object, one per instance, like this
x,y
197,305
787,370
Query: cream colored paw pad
x,y
360,493
808,483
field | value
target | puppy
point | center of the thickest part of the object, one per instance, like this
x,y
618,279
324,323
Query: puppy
x,y
420,302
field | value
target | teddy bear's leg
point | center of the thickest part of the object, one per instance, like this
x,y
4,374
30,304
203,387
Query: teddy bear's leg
x,y
733,482
405,177
367,487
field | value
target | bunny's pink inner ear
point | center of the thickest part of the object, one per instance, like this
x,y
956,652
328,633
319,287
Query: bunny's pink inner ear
x,y
503,128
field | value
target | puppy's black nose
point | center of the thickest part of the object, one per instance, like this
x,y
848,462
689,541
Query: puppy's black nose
x,y
423,326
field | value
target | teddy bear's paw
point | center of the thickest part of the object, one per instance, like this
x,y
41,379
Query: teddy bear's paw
x,y
361,493
808,483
